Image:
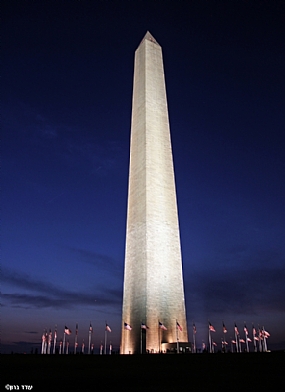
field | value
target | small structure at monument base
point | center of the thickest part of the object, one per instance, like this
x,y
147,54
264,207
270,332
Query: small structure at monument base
x,y
171,348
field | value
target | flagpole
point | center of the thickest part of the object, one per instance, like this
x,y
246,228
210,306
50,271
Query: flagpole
x,y
236,337
141,337
264,339
253,337
45,343
54,341
43,339
194,338
177,338
82,348
224,343
246,334
210,342
260,336
105,343
49,341
159,336
75,340
63,344
89,341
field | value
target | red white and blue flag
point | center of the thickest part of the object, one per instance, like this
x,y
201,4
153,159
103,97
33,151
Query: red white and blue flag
x,y
67,331
127,326
162,326
144,326
108,328
179,326
211,328
224,328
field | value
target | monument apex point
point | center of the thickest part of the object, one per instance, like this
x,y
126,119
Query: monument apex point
x,y
149,37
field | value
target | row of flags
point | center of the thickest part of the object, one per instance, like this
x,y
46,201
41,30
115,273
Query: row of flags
x,y
50,344
160,325
259,337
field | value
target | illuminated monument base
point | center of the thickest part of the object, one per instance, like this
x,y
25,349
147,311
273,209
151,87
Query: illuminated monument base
x,y
153,283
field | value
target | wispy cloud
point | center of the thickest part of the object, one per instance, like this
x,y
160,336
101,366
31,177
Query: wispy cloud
x,y
239,291
48,295
98,260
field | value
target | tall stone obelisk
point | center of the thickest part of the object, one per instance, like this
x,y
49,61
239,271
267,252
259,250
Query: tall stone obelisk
x,y
153,283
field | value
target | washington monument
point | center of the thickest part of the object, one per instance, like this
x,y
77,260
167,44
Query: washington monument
x,y
153,301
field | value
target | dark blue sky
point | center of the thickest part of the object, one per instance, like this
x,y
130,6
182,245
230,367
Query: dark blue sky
x,y
67,89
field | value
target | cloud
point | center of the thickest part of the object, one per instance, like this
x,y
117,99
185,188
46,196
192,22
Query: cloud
x,y
98,260
47,295
238,291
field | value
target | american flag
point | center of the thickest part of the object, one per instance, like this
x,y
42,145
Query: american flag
x,y
162,326
236,330
211,328
108,328
143,326
127,326
90,328
224,328
245,330
179,326
67,331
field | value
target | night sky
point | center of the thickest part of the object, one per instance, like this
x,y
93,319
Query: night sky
x,y
67,91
